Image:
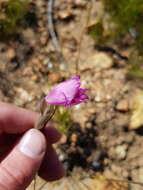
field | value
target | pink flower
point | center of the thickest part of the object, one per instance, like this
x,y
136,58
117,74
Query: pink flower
x,y
67,93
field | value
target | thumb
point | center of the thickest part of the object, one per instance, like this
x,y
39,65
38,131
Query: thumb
x,y
18,169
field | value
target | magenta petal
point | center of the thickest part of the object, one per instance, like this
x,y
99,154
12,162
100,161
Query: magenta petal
x,y
80,96
67,93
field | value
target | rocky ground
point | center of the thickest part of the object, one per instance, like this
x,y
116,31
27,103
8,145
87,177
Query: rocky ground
x,y
104,139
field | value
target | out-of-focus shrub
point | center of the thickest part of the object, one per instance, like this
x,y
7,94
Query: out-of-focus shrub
x,y
121,23
123,18
63,119
12,17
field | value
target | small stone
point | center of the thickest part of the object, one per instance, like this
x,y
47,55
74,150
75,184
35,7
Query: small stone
x,y
43,40
62,157
98,99
41,58
74,138
63,67
63,139
108,97
112,153
35,61
54,78
91,110
22,97
121,151
46,61
11,53
98,61
77,107
29,35
125,173
27,71
34,78
140,174
96,166
50,65
88,125
65,14
123,106
136,120
116,169
80,3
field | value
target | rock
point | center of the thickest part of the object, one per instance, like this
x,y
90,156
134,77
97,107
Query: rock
x,y
123,106
111,153
80,3
135,175
121,151
43,40
141,174
29,35
98,61
36,62
11,53
74,138
96,166
116,169
27,71
35,78
22,97
63,67
62,156
136,120
65,14
54,78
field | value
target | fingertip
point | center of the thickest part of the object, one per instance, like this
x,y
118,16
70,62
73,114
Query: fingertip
x,y
21,164
33,144
14,119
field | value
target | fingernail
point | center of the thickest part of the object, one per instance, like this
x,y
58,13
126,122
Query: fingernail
x,y
33,144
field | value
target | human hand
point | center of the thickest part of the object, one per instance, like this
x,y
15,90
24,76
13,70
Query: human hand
x,y
25,151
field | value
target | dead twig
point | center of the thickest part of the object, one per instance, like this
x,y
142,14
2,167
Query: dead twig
x,y
42,186
34,185
51,26
52,31
47,112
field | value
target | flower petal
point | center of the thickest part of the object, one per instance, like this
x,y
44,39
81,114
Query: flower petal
x,y
80,96
64,93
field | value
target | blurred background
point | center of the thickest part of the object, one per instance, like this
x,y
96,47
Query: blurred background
x,y
44,42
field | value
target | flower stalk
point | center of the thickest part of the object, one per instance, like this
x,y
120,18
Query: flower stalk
x,y
46,115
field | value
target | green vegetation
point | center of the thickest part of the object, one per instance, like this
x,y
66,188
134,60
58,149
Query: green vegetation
x,y
12,16
63,118
126,14
123,20
96,31
136,65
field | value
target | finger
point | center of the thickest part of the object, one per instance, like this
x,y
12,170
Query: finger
x,y
7,142
19,167
51,168
16,120
52,134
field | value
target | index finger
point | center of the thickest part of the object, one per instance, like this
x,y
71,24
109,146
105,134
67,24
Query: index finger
x,y
16,120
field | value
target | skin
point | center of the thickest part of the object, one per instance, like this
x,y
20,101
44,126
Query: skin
x,y
17,169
